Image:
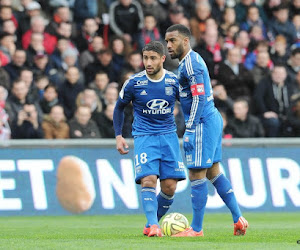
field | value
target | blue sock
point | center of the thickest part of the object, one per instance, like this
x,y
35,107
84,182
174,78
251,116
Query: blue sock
x,y
199,198
225,191
150,205
164,202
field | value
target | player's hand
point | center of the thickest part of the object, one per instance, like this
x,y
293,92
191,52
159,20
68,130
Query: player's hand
x,y
122,146
188,140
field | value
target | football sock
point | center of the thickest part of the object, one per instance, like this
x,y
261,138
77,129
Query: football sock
x,y
199,194
225,191
150,205
164,202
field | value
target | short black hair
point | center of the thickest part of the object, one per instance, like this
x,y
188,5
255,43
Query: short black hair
x,y
181,29
156,46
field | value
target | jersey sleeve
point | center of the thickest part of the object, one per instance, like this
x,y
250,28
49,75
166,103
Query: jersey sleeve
x,y
125,97
194,74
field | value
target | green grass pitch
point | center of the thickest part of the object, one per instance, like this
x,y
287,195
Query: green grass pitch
x,y
267,231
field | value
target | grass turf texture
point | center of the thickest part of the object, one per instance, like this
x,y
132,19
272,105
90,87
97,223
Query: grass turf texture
x,y
267,231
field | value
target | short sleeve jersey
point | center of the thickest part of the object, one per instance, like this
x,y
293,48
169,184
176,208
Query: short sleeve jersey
x,y
153,102
194,80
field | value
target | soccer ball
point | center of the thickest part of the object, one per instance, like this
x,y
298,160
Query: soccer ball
x,y
174,223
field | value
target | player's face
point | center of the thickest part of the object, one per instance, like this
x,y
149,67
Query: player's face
x,y
153,62
175,43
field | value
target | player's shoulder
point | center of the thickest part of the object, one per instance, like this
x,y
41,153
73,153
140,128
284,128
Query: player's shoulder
x,y
137,79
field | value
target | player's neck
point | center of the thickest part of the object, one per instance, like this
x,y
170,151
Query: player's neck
x,y
157,76
186,51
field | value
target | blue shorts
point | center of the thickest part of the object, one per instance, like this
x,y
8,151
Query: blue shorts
x,y
208,143
158,155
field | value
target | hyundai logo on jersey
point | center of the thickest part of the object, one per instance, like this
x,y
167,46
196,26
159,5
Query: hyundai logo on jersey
x,y
157,106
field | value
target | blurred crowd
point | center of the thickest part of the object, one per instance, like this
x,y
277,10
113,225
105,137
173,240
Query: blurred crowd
x,y
63,63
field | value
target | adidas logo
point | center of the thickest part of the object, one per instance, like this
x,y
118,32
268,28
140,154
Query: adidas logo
x,y
229,191
208,161
143,92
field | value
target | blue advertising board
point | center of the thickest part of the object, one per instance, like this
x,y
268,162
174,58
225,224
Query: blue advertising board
x,y
264,179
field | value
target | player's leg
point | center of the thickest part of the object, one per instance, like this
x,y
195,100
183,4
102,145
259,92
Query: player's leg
x,y
146,170
171,170
199,191
221,183
165,197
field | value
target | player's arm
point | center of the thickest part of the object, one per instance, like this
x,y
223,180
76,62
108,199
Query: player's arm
x,y
118,118
196,82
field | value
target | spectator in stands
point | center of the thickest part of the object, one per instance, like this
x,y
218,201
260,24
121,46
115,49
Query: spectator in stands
x,y
154,8
253,18
111,94
89,97
61,15
4,78
70,59
88,32
272,100
3,96
82,126
217,10
296,23
56,58
69,90
35,46
27,125
100,84
37,25
262,46
50,98
7,45
241,10
279,52
88,56
42,66
293,64
54,125
281,24
6,13
9,27
105,122
243,124
41,82
149,32
294,8
26,75
5,132
293,117
229,19
175,15
134,62
211,51
17,63
198,25
261,68
237,80
222,101
84,9
231,32
104,63
128,10
31,9
242,40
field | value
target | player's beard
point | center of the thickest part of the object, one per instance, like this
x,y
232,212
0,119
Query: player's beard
x,y
178,53
155,71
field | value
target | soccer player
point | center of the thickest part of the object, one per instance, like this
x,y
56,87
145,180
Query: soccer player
x,y
153,93
203,133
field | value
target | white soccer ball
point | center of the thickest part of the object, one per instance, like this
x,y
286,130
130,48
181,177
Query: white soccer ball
x,y
174,223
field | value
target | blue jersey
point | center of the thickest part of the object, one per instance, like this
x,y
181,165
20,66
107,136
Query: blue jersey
x,y
194,83
153,102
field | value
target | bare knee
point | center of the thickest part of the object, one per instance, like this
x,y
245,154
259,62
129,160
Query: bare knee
x,y
149,181
168,186
197,174
213,171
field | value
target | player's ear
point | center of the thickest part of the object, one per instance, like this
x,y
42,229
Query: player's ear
x,y
163,58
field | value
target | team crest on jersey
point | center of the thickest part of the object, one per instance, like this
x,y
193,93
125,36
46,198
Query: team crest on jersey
x,y
169,90
192,80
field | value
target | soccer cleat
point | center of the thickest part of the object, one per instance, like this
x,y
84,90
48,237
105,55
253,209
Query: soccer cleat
x,y
240,227
154,231
146,230
189,232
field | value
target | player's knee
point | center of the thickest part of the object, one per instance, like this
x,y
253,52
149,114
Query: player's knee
x,y
168,186
149,181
